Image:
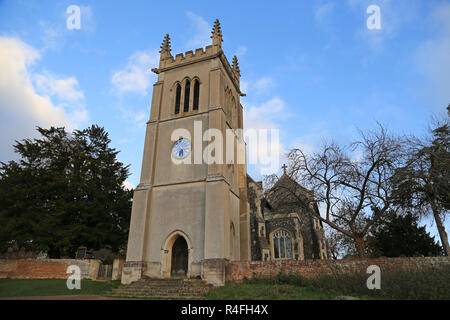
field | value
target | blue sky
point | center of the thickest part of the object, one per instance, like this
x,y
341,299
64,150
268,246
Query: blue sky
x,y
309,68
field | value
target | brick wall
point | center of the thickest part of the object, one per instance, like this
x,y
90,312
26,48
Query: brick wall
x,y
46,268
238,270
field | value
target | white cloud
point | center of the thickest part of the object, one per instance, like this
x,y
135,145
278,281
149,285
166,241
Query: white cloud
x,y
65,89
265,116
65,92
128,185
202,36
21,106
136,76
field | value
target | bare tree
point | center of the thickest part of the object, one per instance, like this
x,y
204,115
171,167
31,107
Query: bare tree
x,y
352,185
340,245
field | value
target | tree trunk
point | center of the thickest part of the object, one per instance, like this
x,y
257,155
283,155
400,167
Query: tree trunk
x,y
360,247
441,229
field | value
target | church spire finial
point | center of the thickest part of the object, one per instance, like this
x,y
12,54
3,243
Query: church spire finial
x,y
217,34
284,166
236,66
165,47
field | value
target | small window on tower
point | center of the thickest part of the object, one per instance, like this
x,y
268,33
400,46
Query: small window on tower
x,y
177,99
196,94
187,92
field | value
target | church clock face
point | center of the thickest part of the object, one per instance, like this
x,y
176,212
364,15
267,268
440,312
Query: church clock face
x,y
181,148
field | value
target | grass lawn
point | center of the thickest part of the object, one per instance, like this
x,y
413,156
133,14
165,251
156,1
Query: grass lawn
x,y
231,291
52,287
243,291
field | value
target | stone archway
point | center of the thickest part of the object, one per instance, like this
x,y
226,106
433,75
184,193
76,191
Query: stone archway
x,y
176,255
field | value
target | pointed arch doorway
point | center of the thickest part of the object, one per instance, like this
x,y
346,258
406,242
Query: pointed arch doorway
x,y
180,258
176,257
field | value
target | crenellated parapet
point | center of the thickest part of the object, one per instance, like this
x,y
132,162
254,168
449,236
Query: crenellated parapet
x,y
168,61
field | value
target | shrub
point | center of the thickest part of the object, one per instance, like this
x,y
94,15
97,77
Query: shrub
x,y
430,282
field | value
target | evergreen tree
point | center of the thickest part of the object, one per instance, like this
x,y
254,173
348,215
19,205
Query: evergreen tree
x,y
398,235
66,191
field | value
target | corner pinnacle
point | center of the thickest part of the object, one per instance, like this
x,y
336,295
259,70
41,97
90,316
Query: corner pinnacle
x,y
165,47
217,33
236,65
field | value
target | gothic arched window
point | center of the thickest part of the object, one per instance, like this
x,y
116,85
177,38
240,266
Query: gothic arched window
x,y
282,248
196,94
187,92
177,99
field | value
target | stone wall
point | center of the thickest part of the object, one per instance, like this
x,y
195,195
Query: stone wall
x,y
238,270
117,269
46,268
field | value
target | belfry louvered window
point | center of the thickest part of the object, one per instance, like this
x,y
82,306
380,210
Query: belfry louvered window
x,y
196,94
282,248
177,99
187,92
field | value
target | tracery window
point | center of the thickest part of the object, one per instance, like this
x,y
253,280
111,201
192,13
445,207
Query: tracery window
x,y
282,247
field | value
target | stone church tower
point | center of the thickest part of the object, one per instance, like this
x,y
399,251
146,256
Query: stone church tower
x,y
189,219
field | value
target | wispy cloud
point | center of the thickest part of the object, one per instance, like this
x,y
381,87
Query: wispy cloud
x,y
202,34
264,84
52,35
241,51
394,15
136,76
87,19
261,86
323,13
55,33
